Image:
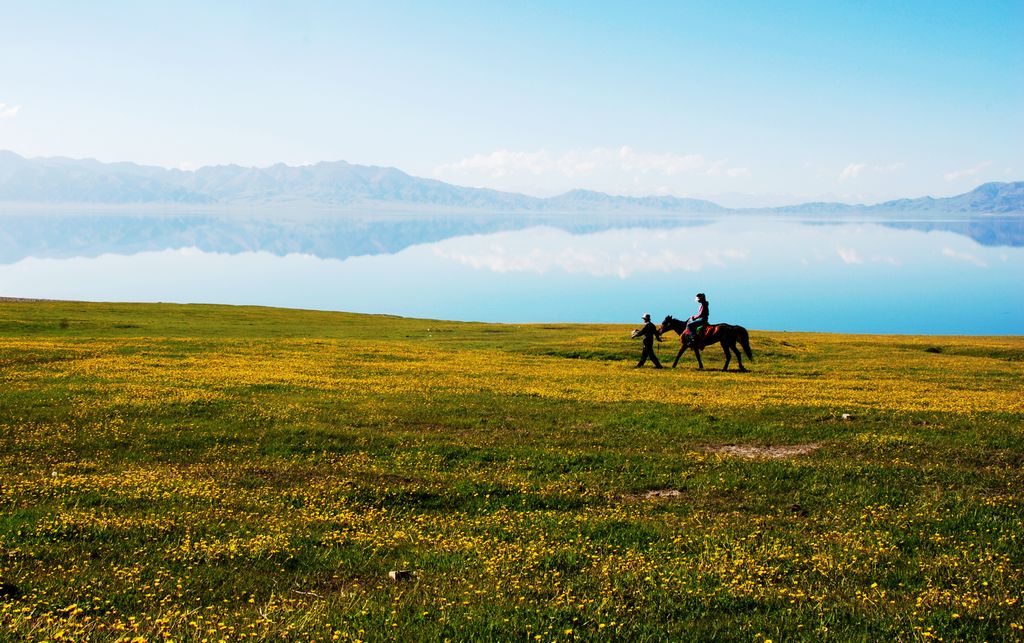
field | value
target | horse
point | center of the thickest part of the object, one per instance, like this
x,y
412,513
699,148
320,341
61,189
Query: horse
x,y
725,334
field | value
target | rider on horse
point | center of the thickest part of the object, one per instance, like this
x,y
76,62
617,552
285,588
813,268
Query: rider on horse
x,y
700,320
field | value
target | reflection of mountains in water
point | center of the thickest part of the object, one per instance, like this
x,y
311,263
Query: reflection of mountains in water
x,y
62,236
987,232
72,235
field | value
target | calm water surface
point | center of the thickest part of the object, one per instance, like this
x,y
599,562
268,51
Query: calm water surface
x,y
856,277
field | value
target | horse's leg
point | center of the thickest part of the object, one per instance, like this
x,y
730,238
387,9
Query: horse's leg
x,y
739,358
700,362
682,349
725,347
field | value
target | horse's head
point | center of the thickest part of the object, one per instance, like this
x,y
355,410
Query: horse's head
x,y
666,325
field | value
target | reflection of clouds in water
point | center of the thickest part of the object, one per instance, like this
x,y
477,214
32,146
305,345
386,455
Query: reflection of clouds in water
x,y
964,256
626,252
623,253
619,253
850,257
817,256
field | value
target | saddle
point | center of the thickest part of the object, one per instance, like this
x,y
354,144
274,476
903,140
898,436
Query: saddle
x,y
699,333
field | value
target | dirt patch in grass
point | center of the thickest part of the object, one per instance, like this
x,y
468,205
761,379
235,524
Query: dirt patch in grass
x,y
653,494
778,451
661,493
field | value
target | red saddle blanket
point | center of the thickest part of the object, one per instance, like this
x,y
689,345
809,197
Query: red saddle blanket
x,y
707,334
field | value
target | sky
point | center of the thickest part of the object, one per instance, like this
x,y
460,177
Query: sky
x,y
748,103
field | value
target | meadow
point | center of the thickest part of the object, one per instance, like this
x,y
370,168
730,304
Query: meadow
x,y
207,473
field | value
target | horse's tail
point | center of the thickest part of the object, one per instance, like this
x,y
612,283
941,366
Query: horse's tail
x,y
744,341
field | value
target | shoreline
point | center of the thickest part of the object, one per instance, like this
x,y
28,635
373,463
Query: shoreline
x,y
242,308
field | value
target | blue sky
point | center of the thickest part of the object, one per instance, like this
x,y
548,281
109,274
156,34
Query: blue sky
x,y
743,102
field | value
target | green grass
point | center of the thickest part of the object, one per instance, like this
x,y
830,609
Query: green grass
x,y
208,472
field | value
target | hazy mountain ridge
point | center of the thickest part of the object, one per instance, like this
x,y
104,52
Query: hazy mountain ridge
x,y
62,180
1001,198
577,199
988,198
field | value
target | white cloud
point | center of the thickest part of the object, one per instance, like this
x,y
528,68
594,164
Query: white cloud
x,y
964,256
854,170
970,171
499,163
583,163
9,111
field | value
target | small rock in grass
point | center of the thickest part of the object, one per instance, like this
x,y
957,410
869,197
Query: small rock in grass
x,y
400,574
847,417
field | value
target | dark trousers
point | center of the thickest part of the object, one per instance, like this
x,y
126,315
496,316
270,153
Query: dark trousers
x,y
692,327
648,352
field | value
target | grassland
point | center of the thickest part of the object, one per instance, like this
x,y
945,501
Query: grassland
x,y
215,473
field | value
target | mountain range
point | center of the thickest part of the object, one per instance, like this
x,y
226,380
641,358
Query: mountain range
x,y
58,180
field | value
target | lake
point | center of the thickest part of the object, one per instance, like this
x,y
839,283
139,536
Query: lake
x,y
763,273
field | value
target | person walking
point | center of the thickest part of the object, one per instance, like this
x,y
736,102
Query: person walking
x,y
649,332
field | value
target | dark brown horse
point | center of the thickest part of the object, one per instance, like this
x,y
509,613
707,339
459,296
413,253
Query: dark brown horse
x,y
725,334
